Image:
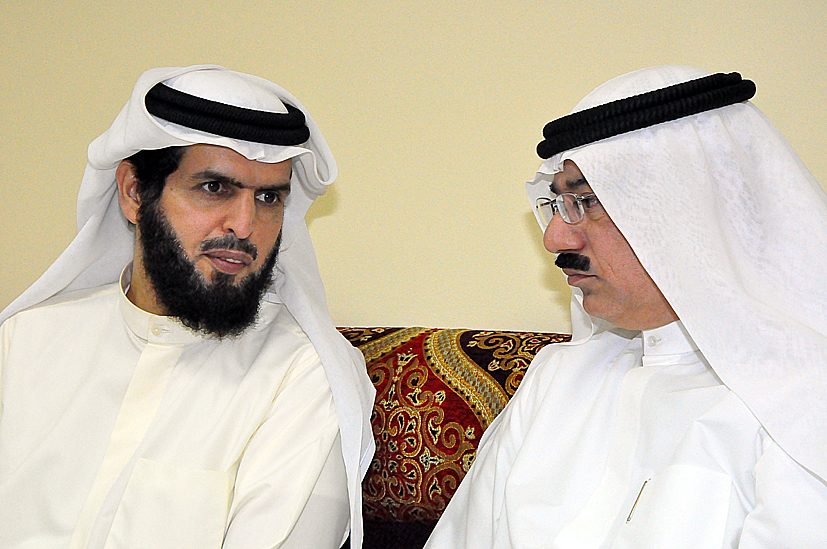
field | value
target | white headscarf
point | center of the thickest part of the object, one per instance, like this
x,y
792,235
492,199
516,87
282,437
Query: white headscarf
x,y
732,227
105,244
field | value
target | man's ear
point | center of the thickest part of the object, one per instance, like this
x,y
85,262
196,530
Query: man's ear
x,y
128,190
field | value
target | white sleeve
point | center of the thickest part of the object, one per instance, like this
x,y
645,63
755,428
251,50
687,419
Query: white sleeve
x,y
790,508
471,519
291,478
325,520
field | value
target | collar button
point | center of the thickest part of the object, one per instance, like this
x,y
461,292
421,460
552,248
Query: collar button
x,y
652,341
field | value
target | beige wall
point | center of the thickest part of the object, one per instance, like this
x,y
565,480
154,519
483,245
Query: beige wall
x,y
432,109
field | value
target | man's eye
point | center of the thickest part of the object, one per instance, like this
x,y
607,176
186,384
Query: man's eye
x,y
269,197
591,202
212,187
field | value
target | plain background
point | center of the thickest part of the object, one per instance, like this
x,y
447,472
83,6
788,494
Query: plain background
x,y
432,109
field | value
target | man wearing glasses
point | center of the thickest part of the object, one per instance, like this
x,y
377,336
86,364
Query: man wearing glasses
x,y
688,409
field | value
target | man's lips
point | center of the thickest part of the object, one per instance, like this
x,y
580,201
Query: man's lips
x,y
574,277
229,261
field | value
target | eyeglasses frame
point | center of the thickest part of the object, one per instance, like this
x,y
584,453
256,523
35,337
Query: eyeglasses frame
x,y
557,204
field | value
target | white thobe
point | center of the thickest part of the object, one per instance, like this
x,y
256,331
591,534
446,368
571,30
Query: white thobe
x,y
122,429
646,450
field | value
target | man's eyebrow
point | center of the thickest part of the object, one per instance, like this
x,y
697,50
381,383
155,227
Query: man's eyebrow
x,y
571,185
212,175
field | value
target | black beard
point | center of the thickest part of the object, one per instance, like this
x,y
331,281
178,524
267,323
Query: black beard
x,y
567,260
218,308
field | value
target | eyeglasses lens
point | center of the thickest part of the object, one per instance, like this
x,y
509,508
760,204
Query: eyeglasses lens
x,y
569,207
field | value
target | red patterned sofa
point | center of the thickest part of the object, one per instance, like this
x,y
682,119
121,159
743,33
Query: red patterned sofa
x,y
436,392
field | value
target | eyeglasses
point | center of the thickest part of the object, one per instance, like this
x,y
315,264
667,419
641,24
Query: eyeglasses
x,y
572,208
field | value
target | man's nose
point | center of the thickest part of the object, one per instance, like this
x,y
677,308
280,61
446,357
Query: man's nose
x,y
560,236
240,216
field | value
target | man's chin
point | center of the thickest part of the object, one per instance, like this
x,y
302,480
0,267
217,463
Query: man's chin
x,y
599,308
223,307
593,305
218,277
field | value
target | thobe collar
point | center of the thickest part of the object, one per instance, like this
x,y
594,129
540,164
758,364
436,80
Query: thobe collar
x,y
166,329
152,328
671,339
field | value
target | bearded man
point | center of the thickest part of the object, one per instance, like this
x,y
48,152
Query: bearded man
x,y
174,379
688,410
